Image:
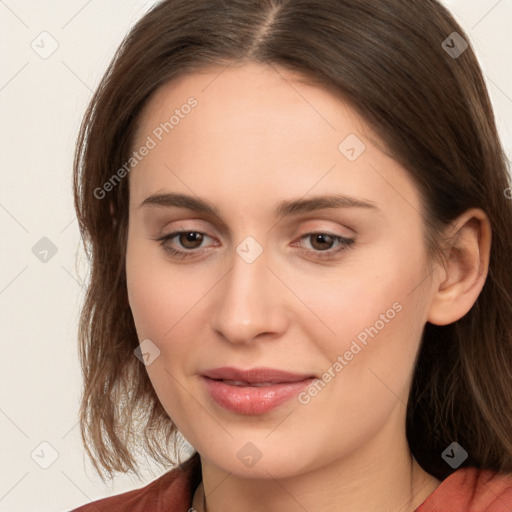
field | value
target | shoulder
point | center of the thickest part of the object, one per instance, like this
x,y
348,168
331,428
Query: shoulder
x,y
171,492
471,489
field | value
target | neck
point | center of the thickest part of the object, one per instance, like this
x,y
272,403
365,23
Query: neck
x,y
381,477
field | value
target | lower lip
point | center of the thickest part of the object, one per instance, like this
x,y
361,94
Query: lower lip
x,y
253,400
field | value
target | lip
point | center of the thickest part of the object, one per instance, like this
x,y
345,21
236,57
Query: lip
x,y
249,399
255,375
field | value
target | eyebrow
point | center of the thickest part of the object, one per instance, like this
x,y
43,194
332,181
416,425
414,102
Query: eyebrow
x,y
284,209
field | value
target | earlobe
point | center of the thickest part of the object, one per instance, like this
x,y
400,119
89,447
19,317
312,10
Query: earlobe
x,y
465,269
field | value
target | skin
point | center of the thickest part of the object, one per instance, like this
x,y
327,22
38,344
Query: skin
x,y
259,136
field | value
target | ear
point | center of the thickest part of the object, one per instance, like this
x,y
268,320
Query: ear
x,y
459,282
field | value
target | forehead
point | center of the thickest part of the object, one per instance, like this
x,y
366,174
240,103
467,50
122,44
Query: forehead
x,y
259,129
236,89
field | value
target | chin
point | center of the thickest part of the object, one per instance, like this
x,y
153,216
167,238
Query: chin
x,y
247,459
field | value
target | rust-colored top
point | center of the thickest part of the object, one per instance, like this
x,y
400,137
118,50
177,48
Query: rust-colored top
x,y
466,490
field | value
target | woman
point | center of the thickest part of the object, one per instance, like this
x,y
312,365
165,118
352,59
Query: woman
x,y
299,230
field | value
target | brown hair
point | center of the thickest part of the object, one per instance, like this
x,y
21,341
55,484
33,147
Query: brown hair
x,y
430,109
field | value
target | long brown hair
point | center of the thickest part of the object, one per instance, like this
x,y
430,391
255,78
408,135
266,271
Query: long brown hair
x,y
430,108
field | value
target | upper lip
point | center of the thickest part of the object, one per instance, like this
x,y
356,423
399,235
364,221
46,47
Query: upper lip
x,y
255,375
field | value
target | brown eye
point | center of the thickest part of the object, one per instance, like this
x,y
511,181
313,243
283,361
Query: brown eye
x,y
190,239
321,241
326,245
183,243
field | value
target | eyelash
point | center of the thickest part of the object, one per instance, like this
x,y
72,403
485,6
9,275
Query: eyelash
x,y
346,243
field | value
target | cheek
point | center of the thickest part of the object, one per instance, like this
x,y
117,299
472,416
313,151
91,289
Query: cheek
x,y
367,363
343,301
159,294
161,301
373,320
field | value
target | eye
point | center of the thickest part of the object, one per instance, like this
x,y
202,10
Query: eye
x,y
189,240
322,244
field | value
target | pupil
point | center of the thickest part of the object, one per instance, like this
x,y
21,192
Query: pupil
x,y
191,237
322,239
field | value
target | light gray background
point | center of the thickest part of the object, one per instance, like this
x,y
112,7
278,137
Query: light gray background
x,y
41,105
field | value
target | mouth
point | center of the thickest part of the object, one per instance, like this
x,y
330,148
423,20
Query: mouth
x,y
241,383
253,392
262,376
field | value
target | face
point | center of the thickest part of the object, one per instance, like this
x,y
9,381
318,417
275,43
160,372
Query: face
x,y
336,292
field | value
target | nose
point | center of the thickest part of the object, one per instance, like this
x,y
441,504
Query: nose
x,y
250,302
